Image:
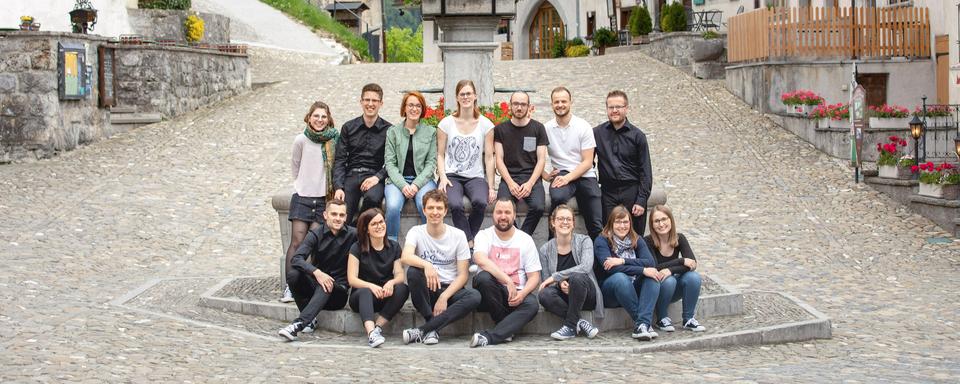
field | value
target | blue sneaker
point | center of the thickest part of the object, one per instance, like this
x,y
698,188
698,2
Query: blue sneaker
x,y
564,333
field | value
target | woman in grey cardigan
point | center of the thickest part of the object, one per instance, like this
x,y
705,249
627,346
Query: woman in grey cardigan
x,y
569,285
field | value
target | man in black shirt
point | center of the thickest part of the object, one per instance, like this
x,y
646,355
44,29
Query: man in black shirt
x,y
623,161
521,151
322,283
358,163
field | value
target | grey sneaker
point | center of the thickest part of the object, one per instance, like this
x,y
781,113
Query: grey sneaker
x,y
290,331
431,338
478,340
411,335
693,325
587,328
666,324
375,338
564,333
309,328
643,333
287,296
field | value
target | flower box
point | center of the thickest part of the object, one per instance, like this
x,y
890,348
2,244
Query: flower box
x,y
940,191
827,122
890,123
894,172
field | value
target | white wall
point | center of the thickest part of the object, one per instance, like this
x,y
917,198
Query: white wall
x,y
53,15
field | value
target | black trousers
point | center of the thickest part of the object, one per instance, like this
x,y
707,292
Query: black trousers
x,y
582,297
625,195
459,305
587,192
372,198
362,300
534,201
493,299
310,296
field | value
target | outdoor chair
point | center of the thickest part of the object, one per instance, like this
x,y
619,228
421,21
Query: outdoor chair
x,y
711,19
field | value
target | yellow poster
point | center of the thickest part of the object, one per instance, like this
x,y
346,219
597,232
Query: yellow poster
x,y
71,74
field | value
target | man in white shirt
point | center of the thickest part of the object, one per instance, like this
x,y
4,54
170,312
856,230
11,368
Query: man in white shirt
x,y
438,257
571,151
511,272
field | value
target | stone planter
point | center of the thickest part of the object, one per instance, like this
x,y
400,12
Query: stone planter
x,y
940,121
823,123
890,123
893,172
946,192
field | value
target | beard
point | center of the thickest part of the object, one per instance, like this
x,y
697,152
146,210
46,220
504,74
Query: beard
x,y
559,114
503,226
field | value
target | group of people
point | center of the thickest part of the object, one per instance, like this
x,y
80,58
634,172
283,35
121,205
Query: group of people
x,y
339,173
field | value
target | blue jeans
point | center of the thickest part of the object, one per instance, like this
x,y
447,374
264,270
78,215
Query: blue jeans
x,y
673,288
395,199
637,297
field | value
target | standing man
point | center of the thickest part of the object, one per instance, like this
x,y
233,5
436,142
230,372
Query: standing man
x,y
358,166
438,258
521,150
511,272
623,159
571,152
322,283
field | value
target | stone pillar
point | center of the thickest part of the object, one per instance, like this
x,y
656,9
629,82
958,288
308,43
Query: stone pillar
x,y
467,50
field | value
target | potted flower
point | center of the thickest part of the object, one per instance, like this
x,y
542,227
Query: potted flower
x,y
828,115
801,101
889,117
940,181
891,161
937,115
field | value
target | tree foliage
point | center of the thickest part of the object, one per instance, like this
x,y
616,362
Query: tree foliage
x,y
404,45
640,22
674,18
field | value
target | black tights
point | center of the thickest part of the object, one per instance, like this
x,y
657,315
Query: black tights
x,y
298,231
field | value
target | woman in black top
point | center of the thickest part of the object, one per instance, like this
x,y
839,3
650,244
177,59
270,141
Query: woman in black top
x,y
676,265
375,274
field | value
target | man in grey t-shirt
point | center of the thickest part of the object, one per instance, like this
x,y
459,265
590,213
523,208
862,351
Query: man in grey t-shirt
x,y
438,257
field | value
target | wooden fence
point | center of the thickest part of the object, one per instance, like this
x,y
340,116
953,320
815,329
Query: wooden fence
x,y
824,33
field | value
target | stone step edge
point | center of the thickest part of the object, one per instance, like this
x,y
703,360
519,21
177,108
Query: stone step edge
x,y
346,321
137,118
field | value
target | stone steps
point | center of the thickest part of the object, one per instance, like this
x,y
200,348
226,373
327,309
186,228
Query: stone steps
x,y
257,296
127,115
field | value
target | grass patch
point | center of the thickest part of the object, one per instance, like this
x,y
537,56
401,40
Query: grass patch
x,y
316,18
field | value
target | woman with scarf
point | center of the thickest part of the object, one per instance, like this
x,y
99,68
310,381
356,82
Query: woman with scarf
x,y
626,272
312,162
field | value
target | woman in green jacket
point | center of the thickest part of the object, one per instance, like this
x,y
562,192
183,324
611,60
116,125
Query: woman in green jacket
x,y
410,157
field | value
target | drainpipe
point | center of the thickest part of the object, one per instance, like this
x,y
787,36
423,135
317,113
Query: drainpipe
x,y
578,18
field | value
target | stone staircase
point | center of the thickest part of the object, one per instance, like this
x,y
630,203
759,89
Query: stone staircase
x,y
126,117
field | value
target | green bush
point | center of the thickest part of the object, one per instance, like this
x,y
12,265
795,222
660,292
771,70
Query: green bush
x,y
164,4
577,51
575,41
559,46
315,18
404,45
640,22
674,18
710,35
604,37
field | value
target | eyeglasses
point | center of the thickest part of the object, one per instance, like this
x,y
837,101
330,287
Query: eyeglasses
x,y
417,106
465,94
563,219
616,107
378,223
661,220
370,101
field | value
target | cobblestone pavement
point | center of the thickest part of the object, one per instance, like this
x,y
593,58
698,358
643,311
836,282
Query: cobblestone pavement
x,y
190,197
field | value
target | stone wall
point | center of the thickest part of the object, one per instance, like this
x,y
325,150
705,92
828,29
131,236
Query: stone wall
x,y
34,122
160,24
174,80
689,51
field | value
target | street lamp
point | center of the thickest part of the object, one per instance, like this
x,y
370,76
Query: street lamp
x,y
956,147
916,130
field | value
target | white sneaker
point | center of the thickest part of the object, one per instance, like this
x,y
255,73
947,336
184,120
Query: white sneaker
x,y
375,338
642,332
411,335
287,296
693,325
290,332
587,328
478,340
309,328
666,324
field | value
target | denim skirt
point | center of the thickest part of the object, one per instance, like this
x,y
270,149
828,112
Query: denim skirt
x,y
308,209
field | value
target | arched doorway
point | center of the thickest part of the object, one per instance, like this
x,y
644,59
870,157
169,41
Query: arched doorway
x,y
545,28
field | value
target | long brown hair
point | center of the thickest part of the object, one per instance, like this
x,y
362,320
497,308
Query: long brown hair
x,y
460,85
672,237
363,234
553,215
318,105
618,212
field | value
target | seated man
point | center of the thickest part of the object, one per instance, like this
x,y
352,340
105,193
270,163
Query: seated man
x,y
438,258
511,272
321,284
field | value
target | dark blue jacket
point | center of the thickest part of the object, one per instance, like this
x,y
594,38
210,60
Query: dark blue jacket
x,y
632,267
